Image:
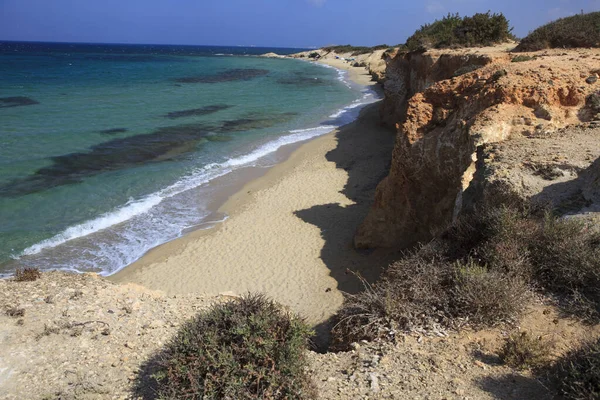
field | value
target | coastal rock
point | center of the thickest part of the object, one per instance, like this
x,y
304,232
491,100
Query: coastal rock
x,y
446,124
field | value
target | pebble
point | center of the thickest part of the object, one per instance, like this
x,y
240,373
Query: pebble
x,y
374,382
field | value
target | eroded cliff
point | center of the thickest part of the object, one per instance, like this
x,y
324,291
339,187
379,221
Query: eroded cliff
x,y
449,107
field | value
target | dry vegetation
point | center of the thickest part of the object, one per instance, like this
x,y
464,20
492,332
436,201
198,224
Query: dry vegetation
x,y
578,374
248,348
27,274
521,351
481,273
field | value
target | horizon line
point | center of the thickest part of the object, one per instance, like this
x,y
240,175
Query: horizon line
x,y
159,44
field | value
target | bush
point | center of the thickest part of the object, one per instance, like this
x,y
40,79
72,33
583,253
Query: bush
x,y
244,349
484,297
452,30
578,373
27,274
411,295
479,272
566,256
523,351
577,31
426,291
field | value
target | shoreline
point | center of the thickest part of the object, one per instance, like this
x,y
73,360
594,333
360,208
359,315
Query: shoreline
x,y
269,242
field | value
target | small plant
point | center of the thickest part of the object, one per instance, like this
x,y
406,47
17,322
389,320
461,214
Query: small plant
x,y
578,373
499,74
249,348
27,274
523,351
522,58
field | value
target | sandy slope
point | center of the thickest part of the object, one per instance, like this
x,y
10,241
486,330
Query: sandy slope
x,y
290,232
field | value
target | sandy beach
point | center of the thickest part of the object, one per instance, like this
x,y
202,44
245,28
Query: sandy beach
x,y
289,232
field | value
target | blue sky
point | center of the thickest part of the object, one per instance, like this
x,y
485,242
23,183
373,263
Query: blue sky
x,y
283,23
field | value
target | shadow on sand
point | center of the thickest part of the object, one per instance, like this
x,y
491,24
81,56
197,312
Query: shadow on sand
x,y
364,151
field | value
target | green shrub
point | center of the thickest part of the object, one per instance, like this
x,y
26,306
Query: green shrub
x,y
452,30
578,373
523,351
27,274
244,349
581,30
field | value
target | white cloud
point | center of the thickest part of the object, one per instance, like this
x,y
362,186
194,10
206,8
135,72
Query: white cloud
x,y
317,3
434,7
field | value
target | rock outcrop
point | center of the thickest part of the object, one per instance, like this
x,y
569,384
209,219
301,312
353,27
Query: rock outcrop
x,y
449,107
375,62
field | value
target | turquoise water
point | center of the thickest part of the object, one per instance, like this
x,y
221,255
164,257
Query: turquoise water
x,y
108,151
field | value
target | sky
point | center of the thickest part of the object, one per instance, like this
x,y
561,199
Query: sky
x,y
269,23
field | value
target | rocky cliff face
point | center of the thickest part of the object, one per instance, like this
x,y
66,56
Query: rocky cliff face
x,y
449,108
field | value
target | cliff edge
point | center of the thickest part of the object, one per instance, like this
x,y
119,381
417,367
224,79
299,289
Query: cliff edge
x,y
476,124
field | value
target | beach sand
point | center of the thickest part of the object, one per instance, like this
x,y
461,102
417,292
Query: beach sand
x,y
289,232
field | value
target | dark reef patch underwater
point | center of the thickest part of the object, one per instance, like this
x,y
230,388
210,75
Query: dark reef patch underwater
x,y
16,101
301,79
229,75
164,144
255,121
113,131
197,111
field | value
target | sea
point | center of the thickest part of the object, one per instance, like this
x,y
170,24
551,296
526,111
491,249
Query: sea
x,y
109,150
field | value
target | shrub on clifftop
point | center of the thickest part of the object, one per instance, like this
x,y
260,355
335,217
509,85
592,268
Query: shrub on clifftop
x,y
581,30
244,349
482,29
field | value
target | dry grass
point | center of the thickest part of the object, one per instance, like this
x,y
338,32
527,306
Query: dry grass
x,y
578,373
523,351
